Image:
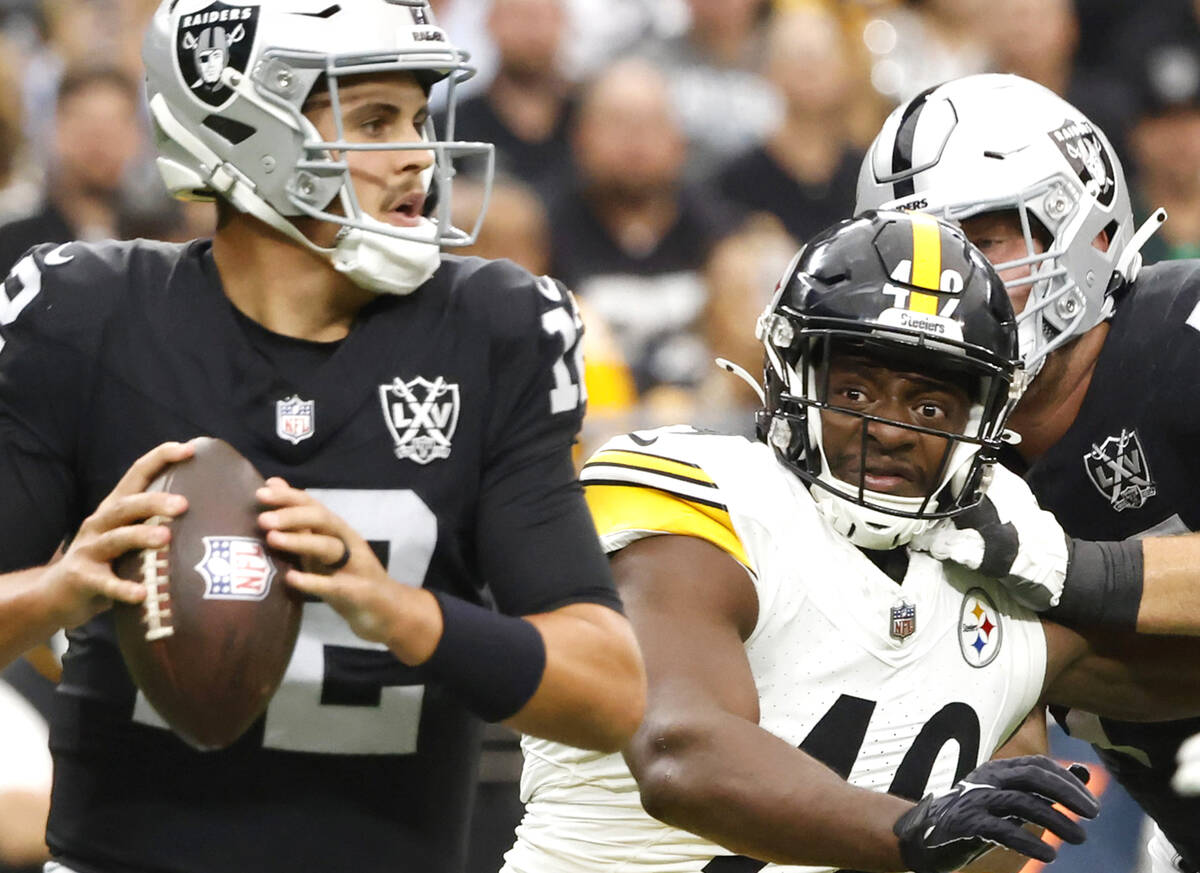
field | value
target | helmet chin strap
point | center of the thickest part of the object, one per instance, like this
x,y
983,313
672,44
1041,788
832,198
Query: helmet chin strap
x,y
372,260
869,528
383,264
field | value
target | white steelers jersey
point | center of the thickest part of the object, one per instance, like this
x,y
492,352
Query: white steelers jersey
x,y
901,688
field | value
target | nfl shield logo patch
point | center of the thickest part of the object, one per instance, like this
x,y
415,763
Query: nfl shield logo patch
x,y
1118,469
209,41
421,416
904,620
235,568
295,419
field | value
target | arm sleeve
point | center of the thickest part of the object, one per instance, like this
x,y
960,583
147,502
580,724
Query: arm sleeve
x,y
44,366
536,545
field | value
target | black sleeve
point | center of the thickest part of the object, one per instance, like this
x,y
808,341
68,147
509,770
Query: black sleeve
x,y
45,363
537,546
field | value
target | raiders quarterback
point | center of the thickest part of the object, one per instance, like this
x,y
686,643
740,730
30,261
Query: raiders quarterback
x,y
1108,427
414,411
812,673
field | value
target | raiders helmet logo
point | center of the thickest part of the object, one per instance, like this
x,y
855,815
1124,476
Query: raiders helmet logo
x,y
1080,145
210,41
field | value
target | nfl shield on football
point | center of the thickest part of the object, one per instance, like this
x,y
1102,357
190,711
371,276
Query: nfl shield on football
x,y
209,645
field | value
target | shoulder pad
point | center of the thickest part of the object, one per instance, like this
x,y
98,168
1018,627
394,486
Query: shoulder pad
x,y
680,443
657,481
68,292
506,297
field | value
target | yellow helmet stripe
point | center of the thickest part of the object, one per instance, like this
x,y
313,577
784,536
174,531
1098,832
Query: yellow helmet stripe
x,y
927,251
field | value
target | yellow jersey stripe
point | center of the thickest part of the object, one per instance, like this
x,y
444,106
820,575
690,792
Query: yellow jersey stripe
x,y
647,461
621,507
927,253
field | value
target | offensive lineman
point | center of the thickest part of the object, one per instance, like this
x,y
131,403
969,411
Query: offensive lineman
x,y
811,673
1108,425
428,403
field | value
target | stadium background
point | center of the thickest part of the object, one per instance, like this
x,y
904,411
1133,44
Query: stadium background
x,y
663,157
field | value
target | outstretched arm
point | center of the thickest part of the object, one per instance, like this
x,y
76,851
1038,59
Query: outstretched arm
x,y
692,606
703,763
1128,676
1151,586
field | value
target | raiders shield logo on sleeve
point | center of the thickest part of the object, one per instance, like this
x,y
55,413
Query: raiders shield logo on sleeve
x,y
217,37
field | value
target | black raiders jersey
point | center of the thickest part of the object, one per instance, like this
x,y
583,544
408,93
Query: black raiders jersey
x,y
1129,466
441,428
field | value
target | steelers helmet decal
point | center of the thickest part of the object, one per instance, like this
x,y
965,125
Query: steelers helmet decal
x,y
210,41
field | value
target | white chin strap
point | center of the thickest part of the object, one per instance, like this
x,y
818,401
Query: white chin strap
x,y
384,264
372,260
869,528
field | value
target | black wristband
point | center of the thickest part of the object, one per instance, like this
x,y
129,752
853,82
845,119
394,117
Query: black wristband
x,y
1103,585
493,663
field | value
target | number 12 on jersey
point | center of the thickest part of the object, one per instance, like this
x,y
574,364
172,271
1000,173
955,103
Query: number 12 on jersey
x,y
569,390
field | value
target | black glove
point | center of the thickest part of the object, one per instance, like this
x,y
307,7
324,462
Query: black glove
x,y
988,807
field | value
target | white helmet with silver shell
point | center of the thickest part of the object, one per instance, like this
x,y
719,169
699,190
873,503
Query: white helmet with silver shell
x,y
994,142
227,83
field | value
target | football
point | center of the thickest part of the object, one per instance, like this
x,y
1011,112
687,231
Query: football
x,y
210,643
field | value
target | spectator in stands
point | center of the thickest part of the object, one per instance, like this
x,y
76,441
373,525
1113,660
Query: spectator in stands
x,y
1165,144
603,30
806,172
715,73
1039,39
633,240
96,139
526,109
742,273
12,149
1036,39
920,43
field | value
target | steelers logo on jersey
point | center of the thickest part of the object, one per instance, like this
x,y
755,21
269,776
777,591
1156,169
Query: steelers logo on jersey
x,y
979,630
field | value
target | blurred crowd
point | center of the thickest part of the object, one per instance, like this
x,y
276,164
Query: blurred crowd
x,y
663,157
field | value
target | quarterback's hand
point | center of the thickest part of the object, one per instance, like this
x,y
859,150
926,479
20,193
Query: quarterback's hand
x,y
339,566
1187,777
989,807
1009,537
82,583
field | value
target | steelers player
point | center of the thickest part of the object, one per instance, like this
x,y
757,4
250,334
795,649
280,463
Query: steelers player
x,y
414,412
1108,425
812,674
